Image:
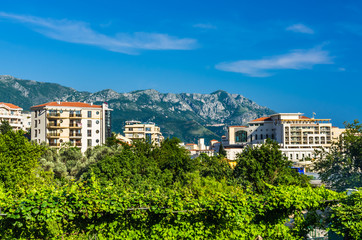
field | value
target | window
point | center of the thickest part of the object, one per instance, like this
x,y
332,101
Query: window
x,y
89,114
97,141
89,133
36,123
148,129
89,142
272,136
291,156
97,131
36,114
241,136
297,156
89,123
97,112
39,121
256,136
261,136
97,121
267,136
36,133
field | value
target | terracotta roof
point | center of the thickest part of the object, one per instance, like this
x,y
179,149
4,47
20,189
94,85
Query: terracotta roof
x,y
214,140
67,104
10,105
303,117
237,126
189,144
262,119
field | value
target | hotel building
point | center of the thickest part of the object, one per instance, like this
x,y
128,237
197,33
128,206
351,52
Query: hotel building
x,y
135,130
13,114
297,135
81,124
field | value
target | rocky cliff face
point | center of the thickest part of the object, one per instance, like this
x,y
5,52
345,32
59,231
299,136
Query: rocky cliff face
x,y
185,115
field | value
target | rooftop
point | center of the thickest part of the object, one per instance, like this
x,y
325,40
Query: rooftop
x,y
10,105
68,104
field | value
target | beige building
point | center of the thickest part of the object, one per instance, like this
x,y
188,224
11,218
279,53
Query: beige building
x,y
337,133
297,135
135,130
13,114
81,124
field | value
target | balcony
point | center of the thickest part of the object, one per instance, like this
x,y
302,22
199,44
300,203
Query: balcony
x,y
54,144
53,135
55,115
76,144
75,135
74,115
53,125
76,125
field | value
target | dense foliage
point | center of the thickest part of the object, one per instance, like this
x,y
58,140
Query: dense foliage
x,y
148,192
341,166
261,165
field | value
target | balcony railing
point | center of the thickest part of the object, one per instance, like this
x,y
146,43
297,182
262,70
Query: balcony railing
x,y
75,135
49,125
50,115
54,144
74,115
76,144
75,125
53,135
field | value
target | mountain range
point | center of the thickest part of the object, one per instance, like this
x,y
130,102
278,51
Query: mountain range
x,y
187,116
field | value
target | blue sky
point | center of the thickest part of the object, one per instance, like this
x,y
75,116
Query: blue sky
x,y
292,56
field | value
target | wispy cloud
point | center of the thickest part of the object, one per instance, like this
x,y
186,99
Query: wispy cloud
x,y
301,28
204,26
80,32
296,59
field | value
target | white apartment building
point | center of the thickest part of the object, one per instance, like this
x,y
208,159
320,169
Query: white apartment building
x,y
298,136
135,130
13,114
80,124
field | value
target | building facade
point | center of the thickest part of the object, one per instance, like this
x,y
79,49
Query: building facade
x,y
13,114
135,130
297,135
81,124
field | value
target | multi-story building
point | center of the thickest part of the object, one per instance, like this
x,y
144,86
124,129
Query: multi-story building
x,y
26,121
135,130
80,124
297,135
11,113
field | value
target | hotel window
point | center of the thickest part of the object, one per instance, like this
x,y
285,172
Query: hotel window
x,y
36,123
89,114
36,133
89,141
297,156
89,123
261,136
89,133
36,114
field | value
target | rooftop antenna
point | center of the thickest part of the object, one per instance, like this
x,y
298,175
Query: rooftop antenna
x,y
314,114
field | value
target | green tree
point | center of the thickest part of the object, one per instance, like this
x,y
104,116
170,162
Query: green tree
x,y
18,160
222,151
5,127
341,165
266,164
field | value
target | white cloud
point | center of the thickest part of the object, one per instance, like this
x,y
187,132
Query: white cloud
x,y
80,32
296,59
301,28
204,26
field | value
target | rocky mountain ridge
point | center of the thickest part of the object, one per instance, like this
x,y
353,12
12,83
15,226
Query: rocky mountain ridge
x,y
184,115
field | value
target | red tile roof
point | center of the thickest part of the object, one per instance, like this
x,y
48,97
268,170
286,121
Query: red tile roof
x,y
10,105
262,119
303,117
67,104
